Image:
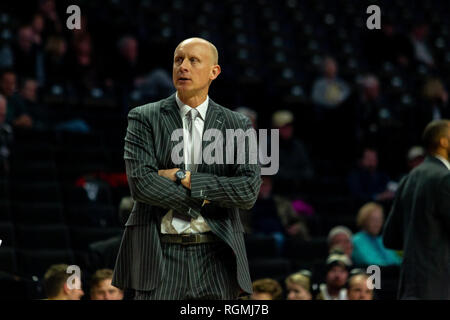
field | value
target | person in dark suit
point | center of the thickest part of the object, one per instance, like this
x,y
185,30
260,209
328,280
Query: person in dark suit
x,y
184,237
419,221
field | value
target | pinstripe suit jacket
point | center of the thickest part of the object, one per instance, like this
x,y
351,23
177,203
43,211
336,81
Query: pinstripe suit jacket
x,y
148,147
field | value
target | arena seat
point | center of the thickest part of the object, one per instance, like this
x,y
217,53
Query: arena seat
x,y
5,210
92,215
43,237
8,260
39,213
82,237
36,192
7,234
260,246
312,250
269,268
36,262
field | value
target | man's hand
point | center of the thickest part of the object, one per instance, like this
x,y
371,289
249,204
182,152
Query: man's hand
x,y
186,182
169,173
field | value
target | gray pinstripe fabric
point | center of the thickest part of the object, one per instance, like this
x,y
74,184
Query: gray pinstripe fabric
x,y
203,271
140,264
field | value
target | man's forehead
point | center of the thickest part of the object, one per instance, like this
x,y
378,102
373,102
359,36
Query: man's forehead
x,y
197,46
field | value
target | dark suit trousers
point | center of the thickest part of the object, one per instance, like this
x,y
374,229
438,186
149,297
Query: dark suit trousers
x,y
197,271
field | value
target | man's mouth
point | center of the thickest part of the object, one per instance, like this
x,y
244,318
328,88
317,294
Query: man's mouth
x,y
183,78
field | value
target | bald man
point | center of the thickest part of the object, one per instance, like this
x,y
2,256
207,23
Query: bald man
x,y
184,237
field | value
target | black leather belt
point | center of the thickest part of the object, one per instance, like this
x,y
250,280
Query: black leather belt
x,y
192,238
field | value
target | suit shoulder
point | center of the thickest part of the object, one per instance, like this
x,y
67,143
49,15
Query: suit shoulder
x,y
148,108
234,116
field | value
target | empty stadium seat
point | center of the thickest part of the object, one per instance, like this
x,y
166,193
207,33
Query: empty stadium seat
x,y
34,171
98,192
314,250
82,237
8,260
43,237
261,246
36,192
94,215
36,262
7,234
5,210
39,213
269,268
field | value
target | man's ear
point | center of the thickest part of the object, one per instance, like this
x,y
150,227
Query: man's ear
x,y
215,71
65,288
444,142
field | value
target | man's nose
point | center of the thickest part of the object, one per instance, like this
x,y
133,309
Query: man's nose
x,y
184,65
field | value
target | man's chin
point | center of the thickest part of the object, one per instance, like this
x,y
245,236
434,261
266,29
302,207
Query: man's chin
x,y
184,89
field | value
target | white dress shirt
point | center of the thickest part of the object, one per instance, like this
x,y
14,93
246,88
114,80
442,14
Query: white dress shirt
x,y
444,161
198,225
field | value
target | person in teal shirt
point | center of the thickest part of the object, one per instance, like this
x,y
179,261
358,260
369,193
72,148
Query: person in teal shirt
x,y
368,243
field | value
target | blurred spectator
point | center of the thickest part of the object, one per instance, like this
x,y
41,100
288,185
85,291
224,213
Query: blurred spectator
x,y
52,22
128,69
249,113
101,288
17,114
387,45
358,288
133,76
298,286
434,104
340,238
56,61
422,52
6,137
373,114
329,91
368,243
37,26
6,56
366,182
295,166
28,57
336,278
83,69
266,289
38,113
415,157
274,215
57,287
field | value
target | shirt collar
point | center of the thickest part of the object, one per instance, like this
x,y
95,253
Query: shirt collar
x,y
184,108
444,161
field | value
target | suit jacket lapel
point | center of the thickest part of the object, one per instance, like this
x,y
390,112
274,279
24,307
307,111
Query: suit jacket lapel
x,y
214,120
171,121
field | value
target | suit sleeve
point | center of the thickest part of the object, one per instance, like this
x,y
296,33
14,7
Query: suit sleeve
x,y
142,170
237,191
393,229
444,201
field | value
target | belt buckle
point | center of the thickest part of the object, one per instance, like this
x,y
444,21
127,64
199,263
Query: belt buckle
x,y
188,239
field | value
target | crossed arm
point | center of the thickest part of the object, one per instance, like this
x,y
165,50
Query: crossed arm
x,y
157,187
